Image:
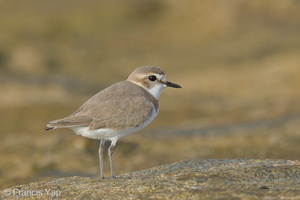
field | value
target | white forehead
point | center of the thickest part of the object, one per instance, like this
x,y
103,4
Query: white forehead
x,y
161,77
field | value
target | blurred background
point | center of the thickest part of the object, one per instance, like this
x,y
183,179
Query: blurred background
x,y
237,61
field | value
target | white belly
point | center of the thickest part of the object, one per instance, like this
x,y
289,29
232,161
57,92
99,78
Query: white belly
x,y
111,134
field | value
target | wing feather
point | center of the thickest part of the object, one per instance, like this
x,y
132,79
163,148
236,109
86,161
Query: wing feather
x,y
113,107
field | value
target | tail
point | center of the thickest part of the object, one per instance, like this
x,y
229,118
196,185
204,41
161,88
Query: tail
x,y
48,127
54,124
69,122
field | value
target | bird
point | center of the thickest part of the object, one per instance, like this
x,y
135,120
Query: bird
x,y
119,110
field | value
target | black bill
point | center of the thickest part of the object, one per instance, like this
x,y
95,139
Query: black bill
x,y
174,85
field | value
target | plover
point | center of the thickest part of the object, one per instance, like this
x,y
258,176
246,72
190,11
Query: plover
x,y
119,110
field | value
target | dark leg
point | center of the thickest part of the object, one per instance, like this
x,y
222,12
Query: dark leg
x,y
110,152
101,150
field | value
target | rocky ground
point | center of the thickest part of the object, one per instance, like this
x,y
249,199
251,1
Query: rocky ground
x,y
238,63
188,179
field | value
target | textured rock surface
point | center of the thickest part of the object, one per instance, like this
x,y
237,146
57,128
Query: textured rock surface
x,y
194,179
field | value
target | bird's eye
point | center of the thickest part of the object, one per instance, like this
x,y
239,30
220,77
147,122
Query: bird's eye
x,y
152,78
